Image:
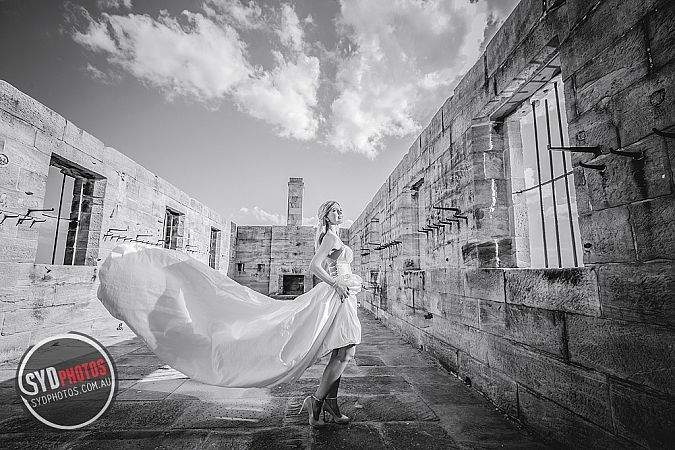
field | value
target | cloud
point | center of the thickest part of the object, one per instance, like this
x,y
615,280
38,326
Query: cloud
x,y
202,57
402,60
263,217
392,65
113,4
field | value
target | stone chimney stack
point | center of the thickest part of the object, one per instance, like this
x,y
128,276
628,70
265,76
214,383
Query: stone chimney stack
x,y
296,188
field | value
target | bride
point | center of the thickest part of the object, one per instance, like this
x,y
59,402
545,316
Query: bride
x,y
216,331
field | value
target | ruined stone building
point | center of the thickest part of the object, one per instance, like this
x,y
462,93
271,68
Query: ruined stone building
x,y
274,260
526,240
557,304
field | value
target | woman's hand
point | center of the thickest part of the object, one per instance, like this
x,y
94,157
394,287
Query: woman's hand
x,y
342,290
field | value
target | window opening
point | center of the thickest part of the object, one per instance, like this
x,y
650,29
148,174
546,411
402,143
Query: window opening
x,y
173,229
549,182
240,267
214,248
70,238
293,284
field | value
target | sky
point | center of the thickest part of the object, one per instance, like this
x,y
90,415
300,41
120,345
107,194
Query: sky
x,y
228,99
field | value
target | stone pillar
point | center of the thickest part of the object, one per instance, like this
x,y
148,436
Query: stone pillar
x,y
295,190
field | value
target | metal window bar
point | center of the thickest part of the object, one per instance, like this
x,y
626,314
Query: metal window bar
x,y
557,171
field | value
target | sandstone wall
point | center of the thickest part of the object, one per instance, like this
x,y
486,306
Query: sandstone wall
x,y
583,356
40,300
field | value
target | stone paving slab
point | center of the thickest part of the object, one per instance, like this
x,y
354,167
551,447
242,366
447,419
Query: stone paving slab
x,y
397,396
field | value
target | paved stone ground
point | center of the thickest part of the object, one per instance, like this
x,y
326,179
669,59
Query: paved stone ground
x,y
399,398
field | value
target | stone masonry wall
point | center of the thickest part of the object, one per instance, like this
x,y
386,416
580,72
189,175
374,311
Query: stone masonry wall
x,y
41,300
583,356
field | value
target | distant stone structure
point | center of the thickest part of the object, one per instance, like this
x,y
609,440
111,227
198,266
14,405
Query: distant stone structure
x,y
581,355
274,260
102,198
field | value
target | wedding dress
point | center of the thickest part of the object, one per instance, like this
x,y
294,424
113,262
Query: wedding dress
x,y
214,330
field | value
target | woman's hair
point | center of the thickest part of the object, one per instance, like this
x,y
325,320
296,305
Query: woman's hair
x,y
323,225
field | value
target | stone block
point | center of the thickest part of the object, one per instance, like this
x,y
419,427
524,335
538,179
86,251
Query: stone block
x,y
30,110
661,28
13,346
500,389
590,39
562,428
488,165
627,180
485,284
34,182
14,129
450,332
25,297
583,392
492,317
83,141
623,63
492,222
595,127
25,156
18,250
606,236
578,9
538,328
471,84
654,227
522,20
9,176
573,290
643,417
648,104
626,350
459,309
638,292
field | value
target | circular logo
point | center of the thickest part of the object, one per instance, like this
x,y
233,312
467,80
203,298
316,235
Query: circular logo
x,y
66,381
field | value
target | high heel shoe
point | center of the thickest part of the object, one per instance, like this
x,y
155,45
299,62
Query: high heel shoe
x,y
332,408
308,404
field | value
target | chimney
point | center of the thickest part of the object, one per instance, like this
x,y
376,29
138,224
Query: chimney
x,y
295,190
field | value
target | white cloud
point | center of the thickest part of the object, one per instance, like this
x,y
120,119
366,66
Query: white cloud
x,y
263,217
203,57
409,55
113,4
310,221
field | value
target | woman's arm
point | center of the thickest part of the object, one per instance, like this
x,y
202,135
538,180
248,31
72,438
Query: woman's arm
x,y
329,242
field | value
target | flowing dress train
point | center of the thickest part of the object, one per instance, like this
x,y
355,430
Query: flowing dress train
x,y
214,330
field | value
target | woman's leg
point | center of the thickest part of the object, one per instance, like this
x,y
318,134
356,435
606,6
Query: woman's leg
x,y
333,371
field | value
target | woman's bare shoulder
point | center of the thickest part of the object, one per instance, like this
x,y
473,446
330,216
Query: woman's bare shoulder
x,y
332,239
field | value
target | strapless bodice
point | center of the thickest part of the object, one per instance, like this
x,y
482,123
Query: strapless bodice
x,y
341,265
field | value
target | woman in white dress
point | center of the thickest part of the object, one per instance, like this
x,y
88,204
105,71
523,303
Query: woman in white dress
x,y
330,262
214,330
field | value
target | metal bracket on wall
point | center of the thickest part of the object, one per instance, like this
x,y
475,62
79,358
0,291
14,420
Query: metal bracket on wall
x,y
597,150
600,167
664,133
635,155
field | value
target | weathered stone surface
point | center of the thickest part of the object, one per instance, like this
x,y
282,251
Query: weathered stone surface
x,y
661,28
606,236
563,428
584,392
487,284
654,225
643,417
404,436
626,180
588,41
500,389
30,111
572,290
595,127
18,250
625,350
638,292
521,21
648,104
624,62
534,327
